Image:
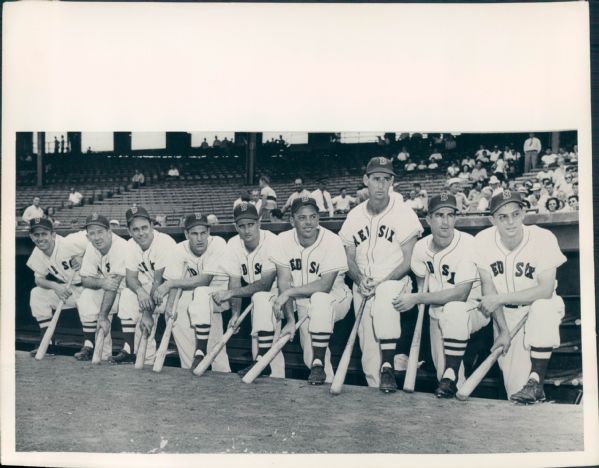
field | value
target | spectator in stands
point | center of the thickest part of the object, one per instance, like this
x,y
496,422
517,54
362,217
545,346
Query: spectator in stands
x,y
277,216
495,154
268,197
182,221
479,173
483,202
173,172
422,165
479,152
475,194
532,148
423,194
300,191
342,203
455,188
575,187
495,185
62,144
75,198
255,199
544,174
552,205
572,203
403,155
500,169
535,195
410,165
114,224
465,174
216,143
160,221
138,179
483,157
562,177
51,213
468,161
323,199
453,170
362,193
244,196
435,157
33,211
508,154
414,201
573,156
89,150
204,144
549,159
56,145
212,219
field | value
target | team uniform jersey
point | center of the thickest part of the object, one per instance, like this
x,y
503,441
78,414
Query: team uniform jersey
x,y
58,264
378,238
149,261
271,197
101,266
308,264
520,268
250,266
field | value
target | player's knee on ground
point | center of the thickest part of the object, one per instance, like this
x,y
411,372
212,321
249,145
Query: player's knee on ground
x,y
541,329
262,314
321,313
385,318
40,302
200,306
453,320
128,305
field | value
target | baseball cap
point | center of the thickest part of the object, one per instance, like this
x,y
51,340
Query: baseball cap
x,y
137,212
95,219
522,190
44,223
443,200
196,219
115,222
493,180
454,180
536,186
380,164
245,211
300,202
503,198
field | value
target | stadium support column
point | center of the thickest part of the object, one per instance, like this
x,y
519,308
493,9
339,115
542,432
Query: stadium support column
x,y
555,141
41,144
250,157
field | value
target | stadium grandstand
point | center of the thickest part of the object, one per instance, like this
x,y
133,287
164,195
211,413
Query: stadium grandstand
x,y
172,174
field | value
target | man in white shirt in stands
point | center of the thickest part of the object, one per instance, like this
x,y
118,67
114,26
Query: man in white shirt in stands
x,y
323,198
33,211
403,155
494,156
479,172
455,188
483,202
300,191
244,196
532,148
343,202
495,185
74,198
549,159
255,199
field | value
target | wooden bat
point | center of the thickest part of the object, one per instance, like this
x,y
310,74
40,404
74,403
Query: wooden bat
x,y
98,346
475,378
143,344
255,371
410,379
166,338
41,351
211,356
339,377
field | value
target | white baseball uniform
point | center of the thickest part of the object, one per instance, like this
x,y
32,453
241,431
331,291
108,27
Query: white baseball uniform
x,y
271,197
307,265
517,270
240,263
196,309
451,324
378,240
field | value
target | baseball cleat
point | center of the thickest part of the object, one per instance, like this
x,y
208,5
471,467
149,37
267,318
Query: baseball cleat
x,y
388,383
265,372
446,389
123,357
532,392
317,375
85,354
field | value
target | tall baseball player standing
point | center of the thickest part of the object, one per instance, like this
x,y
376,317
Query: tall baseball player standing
x,y
102,272
379,236
194,268
517,266
446,255
248,256
311,266
148,252
59,258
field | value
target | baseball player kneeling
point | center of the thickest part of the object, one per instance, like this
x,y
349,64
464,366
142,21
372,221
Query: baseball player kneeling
x,y
379,236
517,266
194,268
248,256
446,255
55,261
102,272
311,266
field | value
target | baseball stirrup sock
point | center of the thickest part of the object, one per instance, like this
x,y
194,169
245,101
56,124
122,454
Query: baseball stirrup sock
x,y
388,351
89,332
454,353
265,340
539,358
320,341
202,332
128,326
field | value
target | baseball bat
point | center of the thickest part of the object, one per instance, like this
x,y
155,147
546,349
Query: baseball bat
x,y
339,377
41,351
255,371
98,346
475,378
211,356
143,344
410,379
166,338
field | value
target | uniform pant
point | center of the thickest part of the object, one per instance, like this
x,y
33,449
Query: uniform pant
x,y
541,330
457,321
202,310
380,321
323,309
263,319
43,301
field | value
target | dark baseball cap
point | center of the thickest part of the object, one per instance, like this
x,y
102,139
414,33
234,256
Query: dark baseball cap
x,y
380,164
245,211
300,202
43,223
503,198
443,200
196,219
95,219
137,212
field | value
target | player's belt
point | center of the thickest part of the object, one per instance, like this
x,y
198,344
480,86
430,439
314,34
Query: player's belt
x,y
511,306
270,197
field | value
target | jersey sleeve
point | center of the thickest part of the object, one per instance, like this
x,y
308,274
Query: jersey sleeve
x,y
174,267
335,258
479,248
347,230
277,253
267,262
550,255
131,260
408,225
213,263
230,263
36,263
118,254
164,252
89,266
77,242
466,271
418,262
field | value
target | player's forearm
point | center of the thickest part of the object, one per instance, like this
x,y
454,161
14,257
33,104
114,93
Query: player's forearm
x,y
107,303
190,283
263,284
398,272
47,284
527,296
458,293
353,271
235,306
170,301
133,283
322,285
92,283
499,318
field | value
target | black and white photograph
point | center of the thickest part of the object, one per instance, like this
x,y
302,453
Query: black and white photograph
x,y
210,280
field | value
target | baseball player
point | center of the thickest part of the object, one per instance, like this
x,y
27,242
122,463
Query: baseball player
x,y
148,252
194,268
454,287
55,260
102,272
311,266
248,257
379,236
517,266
